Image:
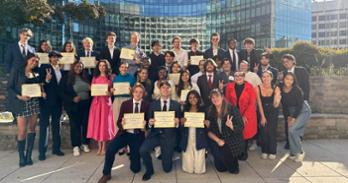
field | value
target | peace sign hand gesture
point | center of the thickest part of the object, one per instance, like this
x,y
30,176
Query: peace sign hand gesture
x,y
229,122
48,74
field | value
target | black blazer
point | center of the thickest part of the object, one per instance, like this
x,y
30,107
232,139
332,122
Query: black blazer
x,y
233,138
127,107
202,83
233,62
13,56
274,72
201,135
166,132
68,94
53,89
14,88
156,62
114,61
254,57
193,68
209,53
302,78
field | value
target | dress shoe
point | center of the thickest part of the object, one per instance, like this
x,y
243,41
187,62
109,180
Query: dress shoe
x,y
147,176
58,153
104,179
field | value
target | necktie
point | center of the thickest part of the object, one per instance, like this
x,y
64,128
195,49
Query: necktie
x,y
210,83
164,105
234,60
136,110
23,51
88,54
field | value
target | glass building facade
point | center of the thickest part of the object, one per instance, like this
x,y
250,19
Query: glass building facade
x,y
273,23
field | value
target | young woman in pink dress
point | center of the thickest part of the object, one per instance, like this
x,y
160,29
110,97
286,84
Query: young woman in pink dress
x,y
101,126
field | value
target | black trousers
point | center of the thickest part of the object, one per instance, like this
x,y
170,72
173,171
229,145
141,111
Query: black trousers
x,y
134,142
268,134
224,159
54,113
286,128
167,150
79,123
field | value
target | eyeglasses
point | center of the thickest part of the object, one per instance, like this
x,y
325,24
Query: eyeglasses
x,y
239,75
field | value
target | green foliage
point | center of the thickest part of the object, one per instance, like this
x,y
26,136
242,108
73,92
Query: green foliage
x,y
329,71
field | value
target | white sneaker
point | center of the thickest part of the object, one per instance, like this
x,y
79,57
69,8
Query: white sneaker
x,y
85,148
253,146
76,151
292,157
264,156
272,156
300,157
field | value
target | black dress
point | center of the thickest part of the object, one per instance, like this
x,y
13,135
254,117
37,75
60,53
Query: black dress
x,y
268,139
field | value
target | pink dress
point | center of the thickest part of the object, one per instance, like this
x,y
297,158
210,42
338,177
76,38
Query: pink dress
x,y
101,126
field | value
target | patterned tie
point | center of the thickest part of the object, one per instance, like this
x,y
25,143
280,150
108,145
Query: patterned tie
x,y
210,83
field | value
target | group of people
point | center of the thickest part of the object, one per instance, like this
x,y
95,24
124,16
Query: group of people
x,y
238,91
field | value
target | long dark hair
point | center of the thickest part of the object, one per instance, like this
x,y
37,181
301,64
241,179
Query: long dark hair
x,y
224,107
108,68
72,75
72,45
39,49
188,105
148,81
181,83
294,84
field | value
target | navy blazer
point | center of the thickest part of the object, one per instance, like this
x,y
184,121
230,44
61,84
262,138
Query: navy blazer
x,y
156,106
114,61
209,53
202,83
52,88
14,58
233,63
302,78
201,135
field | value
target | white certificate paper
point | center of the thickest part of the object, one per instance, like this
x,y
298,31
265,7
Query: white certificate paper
x,y
165,119
183,95
31,90
175,77
43,58
88,62
194,119
127,54
68,58
195,59
121,88
133,121
99,89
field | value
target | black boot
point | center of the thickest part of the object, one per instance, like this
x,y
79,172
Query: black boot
x,y
21,147
30,146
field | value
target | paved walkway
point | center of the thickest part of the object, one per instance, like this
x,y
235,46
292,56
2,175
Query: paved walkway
x,y
326,161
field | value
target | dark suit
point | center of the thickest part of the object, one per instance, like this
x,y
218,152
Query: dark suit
x,y
253,57
302,78
114,61
14,58
202,83
82,53
156,62
50,107
164,137
209,53
232,61
273,70
124,138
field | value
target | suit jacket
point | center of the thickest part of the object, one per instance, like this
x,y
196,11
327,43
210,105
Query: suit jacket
x,y
302,77
14,58
254,57
156,62
114,61
273,70
246,106
127,107
202,83
209,53
93,54
233,62
52,88
166,133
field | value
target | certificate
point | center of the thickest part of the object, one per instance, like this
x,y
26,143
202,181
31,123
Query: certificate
x,y
6,117
43,58
194,119
175,77
165,119
127,54
121,88
134,121
31,90
183,95
99,89
88,62
68,58
195,59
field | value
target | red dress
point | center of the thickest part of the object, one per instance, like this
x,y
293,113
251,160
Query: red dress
x,y
246,107
101,126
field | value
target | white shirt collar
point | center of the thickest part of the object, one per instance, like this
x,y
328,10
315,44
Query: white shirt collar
x,y
292,70
137,101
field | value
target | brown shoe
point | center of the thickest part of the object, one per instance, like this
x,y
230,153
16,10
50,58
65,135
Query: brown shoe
x,y
104,178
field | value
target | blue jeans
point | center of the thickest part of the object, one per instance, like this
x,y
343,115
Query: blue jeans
x,y
297,129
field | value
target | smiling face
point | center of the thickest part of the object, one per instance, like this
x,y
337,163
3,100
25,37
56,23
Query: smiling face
x,y
244,67
102,67
192,99
143,75
138,93
266,78
288,63
123,69
209,67
232,45
162,74
226,66
87,45
239,78
134,39
176,68
111,40
264,61
177,43
185,77
288,80
68,48
32,62
45,47
194,46
78,68
54,60
215,41
216,99
165,91
249,46
24,37
168,59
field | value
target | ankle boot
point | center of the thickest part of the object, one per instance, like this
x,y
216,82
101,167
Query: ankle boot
x,y
21,147
30,146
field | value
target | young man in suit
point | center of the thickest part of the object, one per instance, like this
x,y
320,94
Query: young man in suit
x,y
51,106
215,50
265,65
130,137
111,53
233,54
16,52
302,79
157,60
208,81
250,54
88,51
163,137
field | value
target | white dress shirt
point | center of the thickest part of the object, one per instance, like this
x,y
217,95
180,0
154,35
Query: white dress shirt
x,y
111,50
210,74
162,103
139,106
236,55
292,70
23,46
57,72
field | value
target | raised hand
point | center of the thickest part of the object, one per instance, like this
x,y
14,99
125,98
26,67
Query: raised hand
x,y
48,74
229,122
221,84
